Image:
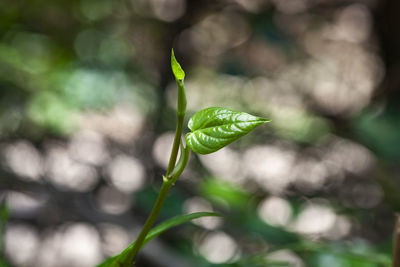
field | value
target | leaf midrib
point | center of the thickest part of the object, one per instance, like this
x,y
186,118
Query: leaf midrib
x,y
262,121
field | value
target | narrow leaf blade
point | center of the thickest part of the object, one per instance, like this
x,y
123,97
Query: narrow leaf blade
x,y
118,260
175,221
214,128
176,68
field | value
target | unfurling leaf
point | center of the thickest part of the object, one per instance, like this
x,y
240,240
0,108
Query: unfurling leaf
x,y
176,68
213,128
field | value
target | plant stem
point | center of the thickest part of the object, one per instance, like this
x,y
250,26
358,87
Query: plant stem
x,y
149,222
167,184
181,110
175,147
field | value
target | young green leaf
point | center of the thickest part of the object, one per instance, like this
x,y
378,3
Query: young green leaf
x,y
213,128
176,68
119,260
175,221
179,76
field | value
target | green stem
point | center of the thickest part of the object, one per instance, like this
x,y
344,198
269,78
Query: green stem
x,y
149,222
175,147
181,110
167,184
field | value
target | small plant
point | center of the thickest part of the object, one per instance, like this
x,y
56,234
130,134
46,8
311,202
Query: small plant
x,y
211,129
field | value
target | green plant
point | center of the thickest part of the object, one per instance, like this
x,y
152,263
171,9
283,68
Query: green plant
x,y
211,129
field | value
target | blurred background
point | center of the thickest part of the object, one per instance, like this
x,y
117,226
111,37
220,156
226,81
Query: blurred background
x,y
87,115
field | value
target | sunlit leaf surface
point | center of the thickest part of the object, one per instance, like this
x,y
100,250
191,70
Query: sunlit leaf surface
x,y
213,128
176,68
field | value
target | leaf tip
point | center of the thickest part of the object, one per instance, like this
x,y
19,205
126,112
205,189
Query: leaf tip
x,y
214,128
176,68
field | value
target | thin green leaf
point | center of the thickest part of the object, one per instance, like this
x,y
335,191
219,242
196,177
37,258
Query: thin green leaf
x,y
176,68
110,262
119,260
213,128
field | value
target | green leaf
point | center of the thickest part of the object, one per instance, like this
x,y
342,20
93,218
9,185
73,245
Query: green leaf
x,y
109,262
213,128
175,221
176,68
118,260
